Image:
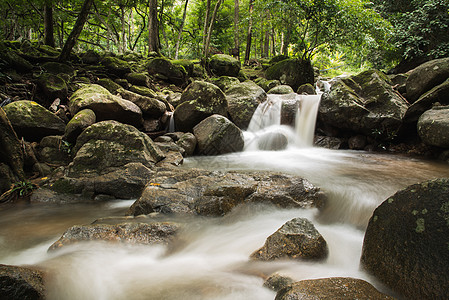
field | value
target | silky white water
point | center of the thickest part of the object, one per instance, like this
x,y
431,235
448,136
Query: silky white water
x,y
211,261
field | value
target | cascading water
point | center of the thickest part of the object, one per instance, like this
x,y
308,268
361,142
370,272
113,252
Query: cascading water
x,y
265,131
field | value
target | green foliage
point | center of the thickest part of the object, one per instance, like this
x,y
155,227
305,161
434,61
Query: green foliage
x,y
23,188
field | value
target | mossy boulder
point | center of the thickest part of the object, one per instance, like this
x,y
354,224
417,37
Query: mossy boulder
x,y
53,86
141,79
365,103
83,119
90,57
33,121
108,145
281,90
293,72
278,58
174,73
217,135
143,90
425,77
150,107
407,241
188,65
18,283
242,100
59,68
296,239
433,127
14,60
105,105
109,84
331,288
53,151
306,89
199,101
268,84
116,66
224,65
224,82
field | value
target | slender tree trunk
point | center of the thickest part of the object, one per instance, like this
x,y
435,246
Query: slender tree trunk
x,y
266,45
48,24
153,28
236,30
209,32
184,14
206,22
286,41
122,43
250,31
76,31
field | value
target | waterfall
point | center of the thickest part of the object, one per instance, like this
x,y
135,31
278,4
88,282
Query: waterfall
x,y
266,132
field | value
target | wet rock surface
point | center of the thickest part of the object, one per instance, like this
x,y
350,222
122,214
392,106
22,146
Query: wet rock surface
x,y
21,283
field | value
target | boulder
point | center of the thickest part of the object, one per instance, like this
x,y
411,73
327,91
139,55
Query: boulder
x,y
129,233
296,239
277,282
110,145
272,141
32,121
199,101
306,89
116,66
59,68
224,65
126,182
83,119
242,101
11,153
433,127
225,82
212,193
53,151
331,288
14,60
268,84
292,72
52,86
365,103
150,107
217,135
105,105
188,142
174,73
21,283
439,94
141,79
90,57
281,90
406,242
425,77
109,84
188,65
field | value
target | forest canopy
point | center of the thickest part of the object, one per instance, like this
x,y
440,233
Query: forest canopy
x,y
357,33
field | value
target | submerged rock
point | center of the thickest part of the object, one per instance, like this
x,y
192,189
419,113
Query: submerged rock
x,y
433,127
21,283
406,242
32,121
331,288
277,282
130,233
217,135
242,101
297,239
199,101
212,193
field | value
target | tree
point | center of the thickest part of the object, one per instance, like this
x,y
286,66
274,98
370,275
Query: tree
x,y
236,51
249,32
209,31
184,14
48,24
153,28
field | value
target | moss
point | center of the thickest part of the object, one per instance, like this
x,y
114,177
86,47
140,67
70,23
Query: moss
x,y
420,227
109,84
65,186
390,200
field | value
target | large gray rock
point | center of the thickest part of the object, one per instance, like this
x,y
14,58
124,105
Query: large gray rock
x,y
52,86
174,73
330,289
105,105
242,101
199,101
297,239
225,82
151,107
406,242
212,193
53,151
433,127
217,135
425,77
109,145
83,119
292,72
20,283
116,66
365,103
33,121
129,233
224,65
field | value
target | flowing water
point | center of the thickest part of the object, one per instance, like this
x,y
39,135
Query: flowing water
x,y
212,261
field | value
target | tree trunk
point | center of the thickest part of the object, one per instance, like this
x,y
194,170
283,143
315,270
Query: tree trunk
x,y
209,32
236,51
266,45
206,22
48,25
184,14
286,42
250,31
76,31
153,28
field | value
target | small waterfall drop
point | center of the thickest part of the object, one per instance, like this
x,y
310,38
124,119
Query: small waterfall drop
x,y
266,130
